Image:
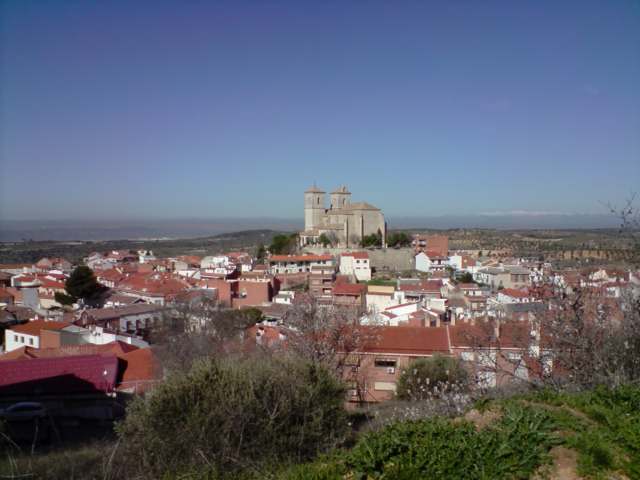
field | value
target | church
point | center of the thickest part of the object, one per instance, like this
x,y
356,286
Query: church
x,y
343,223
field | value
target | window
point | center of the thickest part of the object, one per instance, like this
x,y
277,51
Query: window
x,y
15,338
385,362
31,341
467,356
21,339
385,386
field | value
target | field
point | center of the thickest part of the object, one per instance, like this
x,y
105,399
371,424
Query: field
x,y
26,252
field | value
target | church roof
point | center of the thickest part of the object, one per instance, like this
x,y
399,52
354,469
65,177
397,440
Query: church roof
x,y
349,209
314,189
362,206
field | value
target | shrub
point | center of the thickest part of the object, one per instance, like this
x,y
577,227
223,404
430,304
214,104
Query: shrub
x,y
224,416
514,447
433,376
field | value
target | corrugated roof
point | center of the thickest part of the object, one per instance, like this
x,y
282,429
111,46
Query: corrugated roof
x,y
65,375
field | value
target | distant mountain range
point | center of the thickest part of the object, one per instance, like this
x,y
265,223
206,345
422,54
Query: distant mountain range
x,y
96,230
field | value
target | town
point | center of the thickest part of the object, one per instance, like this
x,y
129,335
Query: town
x,y
415,301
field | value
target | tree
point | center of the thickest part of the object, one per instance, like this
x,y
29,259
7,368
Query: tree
x,y
83,285
373,240
325,335
466,277
200,329
64,299
284,244
324,240
261,253
429,377
398,239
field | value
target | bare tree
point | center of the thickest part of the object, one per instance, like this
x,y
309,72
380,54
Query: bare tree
x,y
579,340
629,217
326,334
200,329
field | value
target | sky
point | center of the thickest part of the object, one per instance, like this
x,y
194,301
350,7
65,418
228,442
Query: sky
x,y
171,109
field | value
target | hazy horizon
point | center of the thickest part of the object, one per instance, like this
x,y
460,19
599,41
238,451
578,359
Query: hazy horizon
x,y
94,230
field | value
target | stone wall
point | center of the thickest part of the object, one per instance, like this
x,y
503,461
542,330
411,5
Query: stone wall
x,y
394,259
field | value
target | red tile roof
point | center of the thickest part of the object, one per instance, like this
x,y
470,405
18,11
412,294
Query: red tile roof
x,y
142,365
408,340
34,327
515,334
349,288
512,292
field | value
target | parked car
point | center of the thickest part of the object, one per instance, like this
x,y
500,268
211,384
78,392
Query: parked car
x,y
23,411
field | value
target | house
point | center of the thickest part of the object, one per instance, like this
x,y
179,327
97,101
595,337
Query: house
x,y
215,261
419,289
430,261
462,262
511,276
357,265
136,319
435,243
279,264
398,314
470,289
380,297
249,291
242,260
65,376
374,369
321,280
349,294
119,300
55,263
85,382
512,295
145,256
500,353
153,287
110,278
30,334
47,291
6,297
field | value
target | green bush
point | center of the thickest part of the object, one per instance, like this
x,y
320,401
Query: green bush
x,y
515,447
224,416
427,377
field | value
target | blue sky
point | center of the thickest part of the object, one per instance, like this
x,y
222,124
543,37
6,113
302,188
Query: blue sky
x,y
134,109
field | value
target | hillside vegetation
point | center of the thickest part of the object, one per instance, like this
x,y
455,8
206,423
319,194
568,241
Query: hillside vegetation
x,y
593,434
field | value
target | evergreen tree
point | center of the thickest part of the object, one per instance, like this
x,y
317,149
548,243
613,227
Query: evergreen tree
x,y
83,285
